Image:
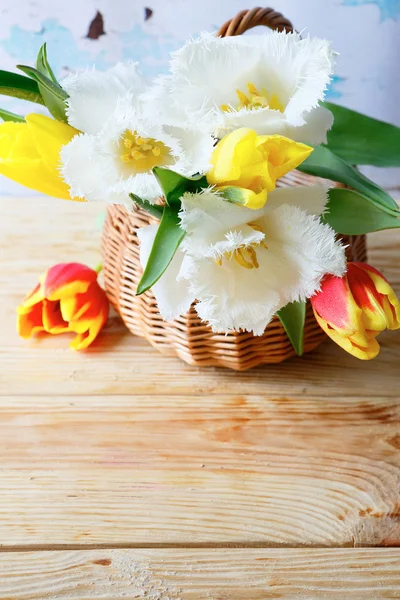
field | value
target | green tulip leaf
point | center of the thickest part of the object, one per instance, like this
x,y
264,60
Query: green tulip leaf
x,y
6,115
53,95
42,64
18,86
322,162
153,209
293,316
175,185
351,213
361,140
168,237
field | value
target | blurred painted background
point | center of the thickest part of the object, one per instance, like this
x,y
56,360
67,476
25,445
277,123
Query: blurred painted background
x,y
366,33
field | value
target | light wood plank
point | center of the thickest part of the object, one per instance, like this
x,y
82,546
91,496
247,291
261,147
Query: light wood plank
x,y
198,470
119,363
124,446
35,233
233,574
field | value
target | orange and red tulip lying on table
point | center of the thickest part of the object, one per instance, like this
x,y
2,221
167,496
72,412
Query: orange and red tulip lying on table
x,y
67,298
354,309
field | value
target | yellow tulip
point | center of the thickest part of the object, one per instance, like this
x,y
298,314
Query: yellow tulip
x,y
30,153
245,166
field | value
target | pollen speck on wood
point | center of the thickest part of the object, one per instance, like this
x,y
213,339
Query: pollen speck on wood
x,y
96,27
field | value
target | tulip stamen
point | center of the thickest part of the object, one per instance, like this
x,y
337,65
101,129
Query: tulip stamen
x,y
245,256
254,99
143,154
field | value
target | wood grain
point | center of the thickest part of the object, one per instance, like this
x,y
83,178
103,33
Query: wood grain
x,y
124,446
194,575
199,469
30,243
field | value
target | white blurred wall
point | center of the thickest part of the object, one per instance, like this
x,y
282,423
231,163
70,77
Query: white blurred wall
x,y
366,33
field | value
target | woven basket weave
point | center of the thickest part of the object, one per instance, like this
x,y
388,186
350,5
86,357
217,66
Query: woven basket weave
x,y
188,337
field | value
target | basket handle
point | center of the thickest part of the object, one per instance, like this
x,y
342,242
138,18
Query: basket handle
x,y
246,19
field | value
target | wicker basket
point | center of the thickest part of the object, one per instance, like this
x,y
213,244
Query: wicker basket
x,y
188,337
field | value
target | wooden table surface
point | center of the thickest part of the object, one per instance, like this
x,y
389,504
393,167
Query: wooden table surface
x,y
128,474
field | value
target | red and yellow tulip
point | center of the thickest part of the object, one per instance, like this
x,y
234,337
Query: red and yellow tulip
x,y
247,165
354,309
67,298
30,153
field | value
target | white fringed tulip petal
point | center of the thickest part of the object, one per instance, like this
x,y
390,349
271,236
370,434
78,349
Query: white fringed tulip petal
x,y
270,83
171,290
215,226
317,123
232,297
306,249
93,95
241,281
103,167
311,198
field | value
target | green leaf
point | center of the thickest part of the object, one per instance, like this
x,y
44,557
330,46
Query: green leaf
x,y
322,162
18,86
44,80
6,115
362,140
153,209
350,213
53,95
293,316
42,64
175,185
54,103
166,243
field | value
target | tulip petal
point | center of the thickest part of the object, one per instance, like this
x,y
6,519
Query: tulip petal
x,y
171,291
49,137
92,303
246,197
72,307
52,318
34,297
30,322
367,352
384,293
242,159
86,89
284,154
67,279
67,299
355,309
226,164
311,198
91,323
21,161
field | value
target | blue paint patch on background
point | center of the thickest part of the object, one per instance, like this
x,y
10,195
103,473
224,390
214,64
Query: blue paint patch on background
x,y
389,9
332,93
62,48
151,51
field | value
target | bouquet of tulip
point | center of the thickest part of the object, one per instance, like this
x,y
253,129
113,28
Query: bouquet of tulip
x,y
202,150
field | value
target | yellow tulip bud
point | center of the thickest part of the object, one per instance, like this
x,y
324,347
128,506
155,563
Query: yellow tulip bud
x,y
246,165
30,153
